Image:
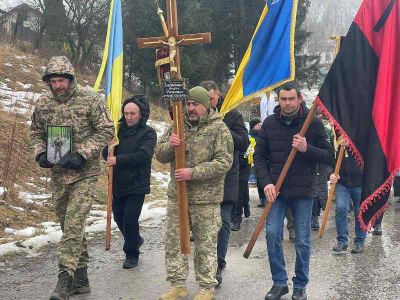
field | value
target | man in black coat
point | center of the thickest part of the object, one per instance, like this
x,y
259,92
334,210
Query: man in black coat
x,y
279,134
132,171
234,120
348,188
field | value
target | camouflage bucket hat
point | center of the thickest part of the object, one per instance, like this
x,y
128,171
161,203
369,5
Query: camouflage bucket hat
x,y
58,65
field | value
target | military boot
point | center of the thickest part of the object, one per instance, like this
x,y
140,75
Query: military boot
x,y
204,294
174,293
80,285
63,288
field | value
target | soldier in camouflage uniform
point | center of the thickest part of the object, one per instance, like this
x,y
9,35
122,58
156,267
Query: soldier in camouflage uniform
x,y
57,144
73,184
209,156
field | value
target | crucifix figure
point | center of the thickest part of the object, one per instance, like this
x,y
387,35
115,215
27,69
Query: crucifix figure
x,y
174,44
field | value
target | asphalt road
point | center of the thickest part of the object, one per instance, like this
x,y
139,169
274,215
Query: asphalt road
x,y
374,274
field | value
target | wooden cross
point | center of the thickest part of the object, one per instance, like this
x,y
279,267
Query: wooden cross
x,y
174,43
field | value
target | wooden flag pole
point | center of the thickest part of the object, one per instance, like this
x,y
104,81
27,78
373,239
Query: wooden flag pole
x,y
279,183
109,202
331,192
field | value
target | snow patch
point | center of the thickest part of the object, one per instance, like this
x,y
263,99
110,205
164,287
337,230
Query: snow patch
x,y
29,231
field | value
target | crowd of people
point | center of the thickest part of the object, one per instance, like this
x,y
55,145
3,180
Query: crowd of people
x,y
220,155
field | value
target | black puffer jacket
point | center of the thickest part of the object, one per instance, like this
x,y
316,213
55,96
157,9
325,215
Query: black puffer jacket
x,y
134,153
244,168
350,173
273,147
234,121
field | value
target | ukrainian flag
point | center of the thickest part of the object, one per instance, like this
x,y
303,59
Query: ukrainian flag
x,y
113,58
269,60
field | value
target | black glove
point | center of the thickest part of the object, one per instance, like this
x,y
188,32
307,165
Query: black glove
x,y
43,162
76,162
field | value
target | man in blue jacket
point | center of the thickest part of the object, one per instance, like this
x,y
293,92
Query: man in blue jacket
x,y
278,135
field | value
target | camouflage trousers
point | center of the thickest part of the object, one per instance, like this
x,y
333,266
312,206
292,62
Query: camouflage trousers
x,y
206,223
72,205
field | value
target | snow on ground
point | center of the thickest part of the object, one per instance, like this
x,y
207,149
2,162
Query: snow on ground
x,y
152,215
17,101
158,126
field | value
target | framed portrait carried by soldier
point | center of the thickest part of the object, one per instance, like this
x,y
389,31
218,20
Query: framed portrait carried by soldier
x,y
58,144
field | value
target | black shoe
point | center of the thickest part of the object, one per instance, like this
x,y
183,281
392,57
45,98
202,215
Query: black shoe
x,y
299,294
358,248
80,284
276,292
218,276
130,262
339,249
141,242
315,223
246,210
236,224
377,230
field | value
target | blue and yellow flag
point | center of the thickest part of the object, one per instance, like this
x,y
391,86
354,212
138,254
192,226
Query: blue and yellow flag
x,y
113,58
269,60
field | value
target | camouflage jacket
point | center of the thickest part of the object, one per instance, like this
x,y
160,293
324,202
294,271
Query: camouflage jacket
x,y
209,155
85,111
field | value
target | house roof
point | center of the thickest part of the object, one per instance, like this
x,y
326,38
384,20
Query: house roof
x,y
24,7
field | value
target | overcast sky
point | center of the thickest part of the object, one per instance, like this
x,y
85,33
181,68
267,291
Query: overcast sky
x,y
7,4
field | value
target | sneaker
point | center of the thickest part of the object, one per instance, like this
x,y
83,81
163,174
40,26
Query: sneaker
x,y
204,294
377,229
63,288
315,223
358,248
299,294
218,276
397,206
174,293
339,249
130,262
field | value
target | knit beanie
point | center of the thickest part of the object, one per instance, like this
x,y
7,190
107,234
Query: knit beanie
x,y
200,95
254,122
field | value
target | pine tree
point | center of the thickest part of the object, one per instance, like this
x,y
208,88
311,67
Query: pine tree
x,y
307,66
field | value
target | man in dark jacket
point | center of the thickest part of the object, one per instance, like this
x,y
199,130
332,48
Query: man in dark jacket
x,y
132,171
234,121
279,133
348,186
242,206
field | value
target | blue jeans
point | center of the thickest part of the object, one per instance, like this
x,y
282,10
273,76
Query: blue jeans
x,y
343,196
302,211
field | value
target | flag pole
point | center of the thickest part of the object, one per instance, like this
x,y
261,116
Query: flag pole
x,y
331,192
109,202
279,183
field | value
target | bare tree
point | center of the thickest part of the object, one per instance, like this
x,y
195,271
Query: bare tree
x,y
87,23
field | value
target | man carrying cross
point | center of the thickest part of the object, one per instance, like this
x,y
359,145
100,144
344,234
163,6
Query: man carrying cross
x,y
209,154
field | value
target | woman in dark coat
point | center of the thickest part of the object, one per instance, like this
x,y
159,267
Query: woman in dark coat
x,y
132,171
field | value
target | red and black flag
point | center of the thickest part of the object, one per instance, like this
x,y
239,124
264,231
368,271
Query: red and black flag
x,y
361,96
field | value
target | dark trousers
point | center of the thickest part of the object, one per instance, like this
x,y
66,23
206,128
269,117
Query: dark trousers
x,y
126,210
261,194
316,209
243,199
224,233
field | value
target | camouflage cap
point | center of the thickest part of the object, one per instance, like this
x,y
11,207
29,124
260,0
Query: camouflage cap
x,y
58,65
